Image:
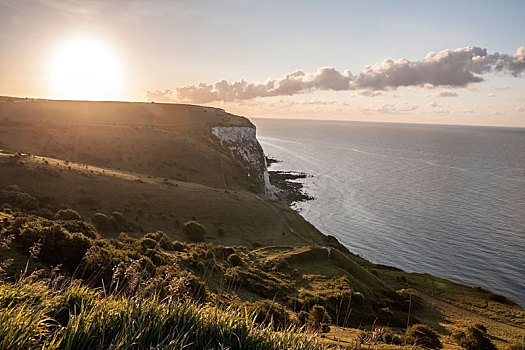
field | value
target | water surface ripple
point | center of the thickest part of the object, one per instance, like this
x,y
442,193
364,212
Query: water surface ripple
x,y
447,200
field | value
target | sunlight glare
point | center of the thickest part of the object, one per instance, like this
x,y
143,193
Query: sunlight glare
x,y
84,69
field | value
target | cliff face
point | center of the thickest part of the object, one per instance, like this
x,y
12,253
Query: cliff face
x,y
245,148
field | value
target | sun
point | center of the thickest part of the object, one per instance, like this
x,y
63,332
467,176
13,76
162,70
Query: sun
x,y
84,69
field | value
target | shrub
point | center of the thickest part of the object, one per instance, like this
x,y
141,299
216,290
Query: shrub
x,y
318,319
119,218
101,222
43,212
424,336
148,243
81,227
473,338
411,296
392,338
161,238
58,245
188,286
68,214
268,313
234,260
194,230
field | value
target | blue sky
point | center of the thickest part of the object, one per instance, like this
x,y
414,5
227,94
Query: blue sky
x,y
161,45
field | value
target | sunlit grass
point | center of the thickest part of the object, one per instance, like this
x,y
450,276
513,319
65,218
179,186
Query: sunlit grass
x,y
72,316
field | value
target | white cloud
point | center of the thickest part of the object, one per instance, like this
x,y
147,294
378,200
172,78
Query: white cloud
x,y
160,96
452,68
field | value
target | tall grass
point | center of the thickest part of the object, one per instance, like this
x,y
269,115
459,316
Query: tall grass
x,y
42,314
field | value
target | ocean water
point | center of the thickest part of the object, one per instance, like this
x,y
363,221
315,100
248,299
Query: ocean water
x,y
446,200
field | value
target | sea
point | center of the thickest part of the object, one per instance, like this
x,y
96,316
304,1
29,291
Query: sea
x,y
439,199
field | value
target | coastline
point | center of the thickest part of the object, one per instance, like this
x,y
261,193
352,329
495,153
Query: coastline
x,y
291,190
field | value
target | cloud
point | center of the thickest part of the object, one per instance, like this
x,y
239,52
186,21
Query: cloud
x,y
491,95
160,96
370,93
452,68
326,78
446,94
391,109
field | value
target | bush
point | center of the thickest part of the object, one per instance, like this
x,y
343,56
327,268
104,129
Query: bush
x,y
234,260
119,218
188,286
81,227
148,243
161,238
473,338
424,336
194,230
101,222
68,214
411,296
268,313
318,319
58,245
43,212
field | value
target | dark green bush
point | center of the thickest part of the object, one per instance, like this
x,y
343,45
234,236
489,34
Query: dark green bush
x,y
413,300
101,222
58,245
473,338
390,337
81,227
43,212
267,312
148,243
234,260
161,238
188,286
424,336
68,214
319,319
119,218
194,230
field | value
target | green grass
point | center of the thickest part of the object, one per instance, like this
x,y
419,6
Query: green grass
x,y
30,315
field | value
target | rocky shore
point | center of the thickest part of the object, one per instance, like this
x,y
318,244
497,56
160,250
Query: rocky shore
x,y
287,181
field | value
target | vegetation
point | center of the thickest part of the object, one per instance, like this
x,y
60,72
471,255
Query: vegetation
x,y
68,214
473,338
424,336
40,314
194,230
318,319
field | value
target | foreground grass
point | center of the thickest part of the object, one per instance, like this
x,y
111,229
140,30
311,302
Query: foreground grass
x,y
40,314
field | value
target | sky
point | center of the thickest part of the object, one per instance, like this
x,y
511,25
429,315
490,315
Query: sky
x,y
445,62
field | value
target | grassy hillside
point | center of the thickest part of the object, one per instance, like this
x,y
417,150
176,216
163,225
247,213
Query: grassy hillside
x,y
96,200
163,140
